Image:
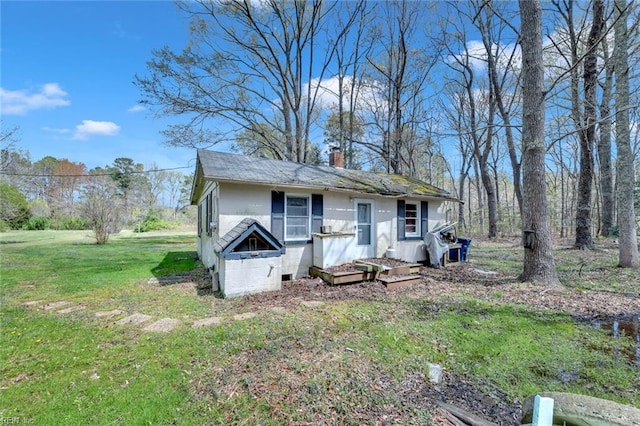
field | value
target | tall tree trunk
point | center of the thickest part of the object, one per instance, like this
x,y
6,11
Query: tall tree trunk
x,y
479,194
504,114
628,256
539,264
492,203
604,145
584,239
563,198
461,180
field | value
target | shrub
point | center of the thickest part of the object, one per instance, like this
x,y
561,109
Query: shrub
x,y
4,226
14,209
39,223
153,223
74,224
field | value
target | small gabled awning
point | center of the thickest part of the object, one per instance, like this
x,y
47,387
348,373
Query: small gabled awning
x,y
248,240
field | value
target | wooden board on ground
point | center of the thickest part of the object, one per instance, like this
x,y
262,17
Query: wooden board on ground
x,y
336,278
398,281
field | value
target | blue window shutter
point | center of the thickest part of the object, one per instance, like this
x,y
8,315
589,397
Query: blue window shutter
x,y
277,214
316,212
209,214
401,220
424,217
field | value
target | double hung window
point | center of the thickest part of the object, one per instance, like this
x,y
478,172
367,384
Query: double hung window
x,y
297,218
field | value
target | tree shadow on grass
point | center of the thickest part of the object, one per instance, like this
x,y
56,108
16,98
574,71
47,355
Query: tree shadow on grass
x,y
184,267
176,263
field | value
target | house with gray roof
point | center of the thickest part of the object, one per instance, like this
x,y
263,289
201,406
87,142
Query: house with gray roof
x,y
281,218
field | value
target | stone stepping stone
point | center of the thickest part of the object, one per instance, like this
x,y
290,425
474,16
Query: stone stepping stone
x,y
112,313
32,303
55,305
246,315
163,325
206,322
134,319
279,309
311,303
71,309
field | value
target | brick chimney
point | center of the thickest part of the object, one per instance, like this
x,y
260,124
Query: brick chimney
x,y
336,158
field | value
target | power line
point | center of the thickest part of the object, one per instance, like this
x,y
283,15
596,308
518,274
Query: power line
x,y
92,174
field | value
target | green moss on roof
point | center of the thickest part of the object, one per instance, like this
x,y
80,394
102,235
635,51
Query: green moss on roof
x,y
233,167
417,186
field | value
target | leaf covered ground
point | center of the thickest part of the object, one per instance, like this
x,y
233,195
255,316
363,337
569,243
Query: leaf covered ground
x,y
594,291
310,354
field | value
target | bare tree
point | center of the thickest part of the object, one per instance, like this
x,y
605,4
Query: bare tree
x,y
481,115
604,143
584,239
251,64
102,207
344,126
500,57
398,77
539,264
454,118
628,256
8,139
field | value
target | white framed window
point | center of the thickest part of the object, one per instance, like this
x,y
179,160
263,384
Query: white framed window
x,y
411,219
297,217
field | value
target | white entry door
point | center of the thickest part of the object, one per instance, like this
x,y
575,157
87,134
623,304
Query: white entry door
x,y
365,228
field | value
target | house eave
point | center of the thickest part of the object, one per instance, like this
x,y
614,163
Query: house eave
x,y
351,191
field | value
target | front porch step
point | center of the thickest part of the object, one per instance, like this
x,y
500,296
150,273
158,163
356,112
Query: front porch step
x,y
398,281
406,269
337,278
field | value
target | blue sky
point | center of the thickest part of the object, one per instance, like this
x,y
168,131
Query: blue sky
x,y
67,71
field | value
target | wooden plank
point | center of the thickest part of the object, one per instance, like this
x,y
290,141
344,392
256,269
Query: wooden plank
x,y
363,267
394,282
398,270
464,415
414,267
345,277
375,266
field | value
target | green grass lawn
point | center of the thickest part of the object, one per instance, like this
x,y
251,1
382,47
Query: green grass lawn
x,y
345,362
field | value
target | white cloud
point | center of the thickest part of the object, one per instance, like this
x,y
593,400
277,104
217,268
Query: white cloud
x,y
136,108
89,128
120,32
327,96
476,56
19,102
56,130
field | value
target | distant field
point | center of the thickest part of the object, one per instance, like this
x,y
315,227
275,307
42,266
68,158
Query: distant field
x,y
358,355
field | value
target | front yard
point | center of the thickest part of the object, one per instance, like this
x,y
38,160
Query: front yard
x,y
309,354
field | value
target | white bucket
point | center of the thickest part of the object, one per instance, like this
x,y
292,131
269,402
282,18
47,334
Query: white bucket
x,y
391,253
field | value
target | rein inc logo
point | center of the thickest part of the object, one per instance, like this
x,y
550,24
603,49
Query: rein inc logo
x,y
16,420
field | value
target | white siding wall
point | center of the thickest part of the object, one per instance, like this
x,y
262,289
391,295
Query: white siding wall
x,y
205,242
244,276
387,234
234,202
437,214
240,201
407,250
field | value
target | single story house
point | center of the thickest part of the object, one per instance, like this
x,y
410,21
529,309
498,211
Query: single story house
x,y
261,221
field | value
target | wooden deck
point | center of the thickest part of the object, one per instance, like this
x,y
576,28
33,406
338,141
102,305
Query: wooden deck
x,y
391,277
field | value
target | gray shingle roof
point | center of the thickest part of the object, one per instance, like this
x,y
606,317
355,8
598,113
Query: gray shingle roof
x,y
233,234
223,166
